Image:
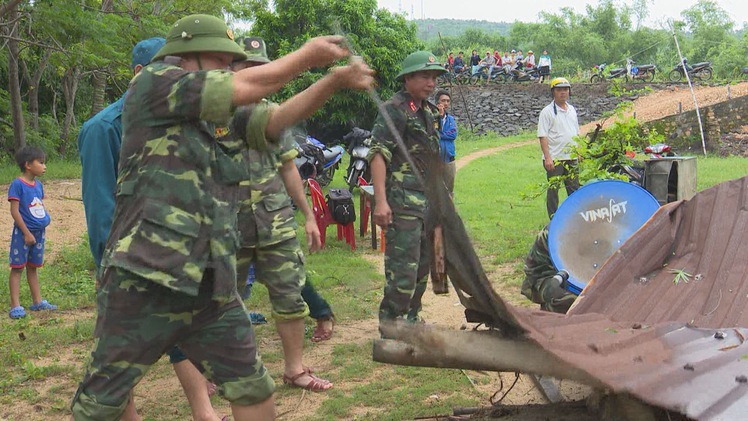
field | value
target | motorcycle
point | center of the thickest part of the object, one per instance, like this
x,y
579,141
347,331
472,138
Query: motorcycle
x,y
600,76
316,160
659,150
359,142
643,72
481,73
518,74
450,77
700,71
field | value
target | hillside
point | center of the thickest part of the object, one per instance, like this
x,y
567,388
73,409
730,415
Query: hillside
x,y
430,28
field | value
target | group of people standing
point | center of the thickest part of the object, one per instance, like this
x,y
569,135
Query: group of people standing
x,y
203,184
510,61
188,180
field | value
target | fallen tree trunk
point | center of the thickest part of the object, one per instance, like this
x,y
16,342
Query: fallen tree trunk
x,y
417,346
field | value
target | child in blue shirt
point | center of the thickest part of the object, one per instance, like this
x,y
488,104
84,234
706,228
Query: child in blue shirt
x,y
30,220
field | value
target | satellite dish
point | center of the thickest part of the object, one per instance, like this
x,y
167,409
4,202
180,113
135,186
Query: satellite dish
x,y
592,223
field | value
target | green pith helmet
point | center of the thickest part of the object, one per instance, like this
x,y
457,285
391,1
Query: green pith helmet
x,y
200,34
255,49
418,62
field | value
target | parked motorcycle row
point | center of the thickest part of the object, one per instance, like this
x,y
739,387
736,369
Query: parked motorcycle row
x,y
319,161
499,74
646,72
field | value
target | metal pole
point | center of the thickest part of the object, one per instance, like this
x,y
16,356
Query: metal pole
x,y
462,96
693,94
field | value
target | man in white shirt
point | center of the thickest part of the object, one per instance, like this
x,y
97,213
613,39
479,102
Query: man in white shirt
x,y
557,126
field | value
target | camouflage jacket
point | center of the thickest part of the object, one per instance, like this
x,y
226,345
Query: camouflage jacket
x,y
419,129
538,267
265,213
176,208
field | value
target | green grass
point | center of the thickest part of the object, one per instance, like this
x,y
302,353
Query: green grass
x,y
53,347
56,169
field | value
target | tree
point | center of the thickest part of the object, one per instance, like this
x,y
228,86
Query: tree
x,y
383,39
10,28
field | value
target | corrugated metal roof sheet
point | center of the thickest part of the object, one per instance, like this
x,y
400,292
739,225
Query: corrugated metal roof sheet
x,y
633,328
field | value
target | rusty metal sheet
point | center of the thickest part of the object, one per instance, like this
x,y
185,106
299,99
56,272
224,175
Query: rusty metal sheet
x,y
676,346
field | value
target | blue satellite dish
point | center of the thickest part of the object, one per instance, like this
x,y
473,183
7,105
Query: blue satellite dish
x,y
592,223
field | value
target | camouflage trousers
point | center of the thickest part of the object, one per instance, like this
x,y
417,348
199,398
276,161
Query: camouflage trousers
x,y
280,267
407,259
139,320
552,297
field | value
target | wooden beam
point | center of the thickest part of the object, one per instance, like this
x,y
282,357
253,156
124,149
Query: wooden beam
x,y
419,346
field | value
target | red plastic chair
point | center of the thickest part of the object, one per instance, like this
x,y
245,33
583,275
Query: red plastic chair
x,y
323,216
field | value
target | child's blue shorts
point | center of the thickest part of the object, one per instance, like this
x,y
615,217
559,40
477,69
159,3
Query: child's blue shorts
x,y
21,254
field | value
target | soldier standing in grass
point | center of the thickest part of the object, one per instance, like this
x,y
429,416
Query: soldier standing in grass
x,y
99,143
400,198
169,269
268,237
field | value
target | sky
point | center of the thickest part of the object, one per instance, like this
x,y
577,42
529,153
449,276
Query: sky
x,y
528,10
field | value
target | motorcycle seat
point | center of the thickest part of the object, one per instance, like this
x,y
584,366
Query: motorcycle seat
x,y
646,66
618,70
702,64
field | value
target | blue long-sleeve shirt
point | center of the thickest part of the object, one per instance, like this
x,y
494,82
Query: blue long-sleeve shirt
x,y
99,143
447,136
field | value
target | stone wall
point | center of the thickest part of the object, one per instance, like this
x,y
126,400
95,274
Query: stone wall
x,y
510,108
682,130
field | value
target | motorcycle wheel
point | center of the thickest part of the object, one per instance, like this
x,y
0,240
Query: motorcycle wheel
x,y
651,77
705,74
325,177
474,79
353,180
675,75
596,79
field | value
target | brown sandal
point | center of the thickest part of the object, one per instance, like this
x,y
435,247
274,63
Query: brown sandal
x,y
320,333
315,385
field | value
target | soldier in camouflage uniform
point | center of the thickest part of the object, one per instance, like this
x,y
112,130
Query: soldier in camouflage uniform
x,y
543,283
168,275
400,200
268,238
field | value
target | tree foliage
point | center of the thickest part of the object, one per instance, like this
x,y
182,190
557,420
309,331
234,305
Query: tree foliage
x,y
383,39
610,32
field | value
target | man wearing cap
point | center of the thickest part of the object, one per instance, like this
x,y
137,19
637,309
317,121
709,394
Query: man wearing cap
x,y
99,143
399,192
168,274
557,127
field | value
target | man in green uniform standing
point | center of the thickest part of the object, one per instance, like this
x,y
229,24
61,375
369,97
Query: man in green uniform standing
x,y
399,192
168,275
544,284
268,236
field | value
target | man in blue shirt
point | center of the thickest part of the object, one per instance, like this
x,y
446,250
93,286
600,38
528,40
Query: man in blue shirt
x,y
99,144
447,136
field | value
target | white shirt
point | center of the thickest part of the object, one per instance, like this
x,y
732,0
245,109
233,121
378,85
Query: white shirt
x,y
559,127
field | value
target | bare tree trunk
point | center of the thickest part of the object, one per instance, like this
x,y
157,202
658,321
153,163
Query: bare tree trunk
x,y
99,76
70,88
6,8
34,81
98,83
14,83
